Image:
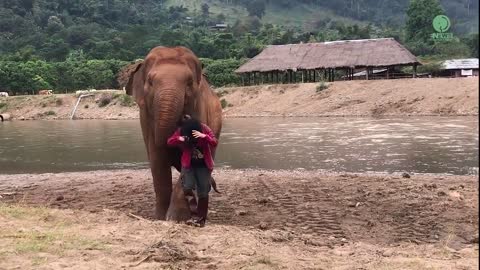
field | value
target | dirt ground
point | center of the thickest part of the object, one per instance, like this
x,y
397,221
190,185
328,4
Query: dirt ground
x,y
60,106
438,96
261,220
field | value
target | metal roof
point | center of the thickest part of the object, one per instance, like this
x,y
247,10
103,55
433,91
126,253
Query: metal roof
x,y
469,63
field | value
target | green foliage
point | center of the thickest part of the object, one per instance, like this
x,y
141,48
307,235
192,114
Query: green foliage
x,y
74,45
256,8
32,76
126,100
322,86
430,68
224,103
221,72
418,29
3,106
49,113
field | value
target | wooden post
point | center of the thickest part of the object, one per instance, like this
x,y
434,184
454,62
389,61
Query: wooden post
x,y
415,70
388,73
367,71
314,75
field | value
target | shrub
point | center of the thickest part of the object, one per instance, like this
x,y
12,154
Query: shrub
x,y
322,86
50,113
126,101
224,103
3,105
105,100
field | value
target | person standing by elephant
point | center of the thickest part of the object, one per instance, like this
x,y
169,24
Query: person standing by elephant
x,y
197,142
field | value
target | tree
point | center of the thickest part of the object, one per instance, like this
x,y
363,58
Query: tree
x,y
256,8
420,15
472,42
205,9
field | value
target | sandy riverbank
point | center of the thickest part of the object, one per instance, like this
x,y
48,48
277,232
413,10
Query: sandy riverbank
x,y
262,220
439,96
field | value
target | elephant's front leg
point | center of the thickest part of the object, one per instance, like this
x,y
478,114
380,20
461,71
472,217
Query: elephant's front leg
x,y
179,209
162,179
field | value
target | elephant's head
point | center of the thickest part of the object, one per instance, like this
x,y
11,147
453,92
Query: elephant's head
x,y
165,86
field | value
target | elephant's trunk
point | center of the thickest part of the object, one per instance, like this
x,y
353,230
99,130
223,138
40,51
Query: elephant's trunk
x,y
168,108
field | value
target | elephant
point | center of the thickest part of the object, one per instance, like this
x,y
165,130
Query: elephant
x,y
166,85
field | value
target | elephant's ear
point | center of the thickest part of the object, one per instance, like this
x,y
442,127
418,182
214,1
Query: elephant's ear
x,y
135,85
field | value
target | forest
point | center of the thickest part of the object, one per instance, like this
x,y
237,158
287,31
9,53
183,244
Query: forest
x,y
67,45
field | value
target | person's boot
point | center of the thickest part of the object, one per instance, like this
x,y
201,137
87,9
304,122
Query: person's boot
x,y
202,212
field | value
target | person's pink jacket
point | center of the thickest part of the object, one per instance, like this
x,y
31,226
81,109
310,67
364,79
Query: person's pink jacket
x,y
207,145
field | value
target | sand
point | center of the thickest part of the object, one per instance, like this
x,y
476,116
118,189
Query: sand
x,y
261,220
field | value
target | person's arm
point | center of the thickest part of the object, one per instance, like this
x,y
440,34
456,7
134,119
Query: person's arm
x,y
175,139
207,136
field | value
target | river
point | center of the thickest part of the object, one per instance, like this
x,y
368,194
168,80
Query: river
x,y
446,145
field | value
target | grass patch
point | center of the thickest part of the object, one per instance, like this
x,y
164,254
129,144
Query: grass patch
x,y
126,100
224,103
222,93
18,212
322,86
49,113
3,106
41,230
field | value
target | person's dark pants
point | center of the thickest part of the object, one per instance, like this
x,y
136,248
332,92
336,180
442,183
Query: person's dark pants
x,y
198,179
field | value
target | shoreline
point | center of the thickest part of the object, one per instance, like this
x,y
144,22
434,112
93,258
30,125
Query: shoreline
x,y
227,116
437,97
318,172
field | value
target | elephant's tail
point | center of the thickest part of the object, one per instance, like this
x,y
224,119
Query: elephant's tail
x,y
214,184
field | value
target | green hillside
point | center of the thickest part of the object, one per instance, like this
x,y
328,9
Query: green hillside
x,y
305,13
77,44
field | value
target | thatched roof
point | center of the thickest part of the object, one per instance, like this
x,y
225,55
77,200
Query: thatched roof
x,y
336,54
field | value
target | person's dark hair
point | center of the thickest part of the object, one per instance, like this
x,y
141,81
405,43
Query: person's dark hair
x,y
189,125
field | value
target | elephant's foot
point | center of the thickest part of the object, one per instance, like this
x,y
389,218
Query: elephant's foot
x,y
179,210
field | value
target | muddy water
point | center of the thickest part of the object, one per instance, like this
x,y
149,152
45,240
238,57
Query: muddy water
x,y
418,145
